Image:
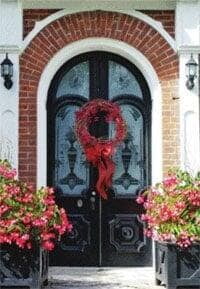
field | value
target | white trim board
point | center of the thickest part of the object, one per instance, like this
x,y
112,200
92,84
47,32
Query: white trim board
x,y
130,4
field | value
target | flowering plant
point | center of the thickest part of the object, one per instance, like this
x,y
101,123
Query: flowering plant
x,y
173,209
28,217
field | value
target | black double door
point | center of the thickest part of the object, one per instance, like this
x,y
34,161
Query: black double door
x,y
105,232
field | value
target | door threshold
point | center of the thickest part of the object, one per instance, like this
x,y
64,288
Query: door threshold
x,y
81,268
102,277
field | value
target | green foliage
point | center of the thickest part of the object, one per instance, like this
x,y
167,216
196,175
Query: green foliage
x,y
173,208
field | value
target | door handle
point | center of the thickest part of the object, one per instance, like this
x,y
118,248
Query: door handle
x,y
92,202
79,203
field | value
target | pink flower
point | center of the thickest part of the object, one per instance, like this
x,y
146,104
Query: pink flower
x,y
7,172
27,198
140,200
21,241
26,215
12,189
144,217
165,212
49,201
184,240
148,232
26,220
3,209
48,245
148,205
194,197
180,205
48,214
5,239
166,237
39,222
14,236
50,191
170,181
46,236
29,245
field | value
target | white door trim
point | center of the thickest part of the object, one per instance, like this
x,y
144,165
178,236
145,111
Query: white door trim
x,y
109,45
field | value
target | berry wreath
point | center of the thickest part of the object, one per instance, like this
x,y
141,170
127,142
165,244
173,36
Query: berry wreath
x,y
99,151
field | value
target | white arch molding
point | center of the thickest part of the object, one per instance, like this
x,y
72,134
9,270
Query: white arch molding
x,y
100,44
39,25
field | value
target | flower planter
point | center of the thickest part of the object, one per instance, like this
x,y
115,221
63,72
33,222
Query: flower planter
x,y
176,267
23,267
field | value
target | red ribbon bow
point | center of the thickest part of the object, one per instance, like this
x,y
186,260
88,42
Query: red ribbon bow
x,y
100,156
98,151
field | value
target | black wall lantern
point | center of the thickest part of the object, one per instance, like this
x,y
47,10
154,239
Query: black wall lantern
x,y
7,72
191,72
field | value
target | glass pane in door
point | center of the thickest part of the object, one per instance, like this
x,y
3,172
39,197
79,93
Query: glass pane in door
x,y
122,81
129,158
75,81
71,172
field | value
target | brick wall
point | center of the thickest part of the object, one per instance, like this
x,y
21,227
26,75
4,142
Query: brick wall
x,y
95,24
30,16
166,17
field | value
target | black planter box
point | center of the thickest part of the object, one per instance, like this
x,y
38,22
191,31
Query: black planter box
x,y
176,267
23,267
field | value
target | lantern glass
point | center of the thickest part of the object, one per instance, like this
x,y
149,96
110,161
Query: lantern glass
x,y
191,68
6,67
5,70
11,70
187,70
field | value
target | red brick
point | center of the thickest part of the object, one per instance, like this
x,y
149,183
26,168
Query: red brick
x,y
95,24
166,17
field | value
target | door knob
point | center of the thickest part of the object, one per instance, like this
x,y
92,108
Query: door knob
x,y
92,201
79,203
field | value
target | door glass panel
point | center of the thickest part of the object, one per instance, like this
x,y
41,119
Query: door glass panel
x,y
71,172
75,81
122,81
129,158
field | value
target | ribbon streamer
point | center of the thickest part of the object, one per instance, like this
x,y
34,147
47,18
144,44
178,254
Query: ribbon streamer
x,y
100,156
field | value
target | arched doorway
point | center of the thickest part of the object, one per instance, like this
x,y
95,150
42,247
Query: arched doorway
x,y
106,233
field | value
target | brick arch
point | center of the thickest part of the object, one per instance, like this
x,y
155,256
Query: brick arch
x,y
79,26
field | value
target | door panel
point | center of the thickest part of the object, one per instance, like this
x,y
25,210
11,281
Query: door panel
x,y
129,159
71,173
105,232
123,241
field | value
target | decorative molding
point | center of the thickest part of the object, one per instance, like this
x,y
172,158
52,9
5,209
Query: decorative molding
x,y
8,136
191,163
125,233
9,49
187,1
79,238
187,24
136,4
189,49
189,118
7,150
143,17
109,45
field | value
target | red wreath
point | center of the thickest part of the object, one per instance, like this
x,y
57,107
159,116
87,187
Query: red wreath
x,y
99,151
